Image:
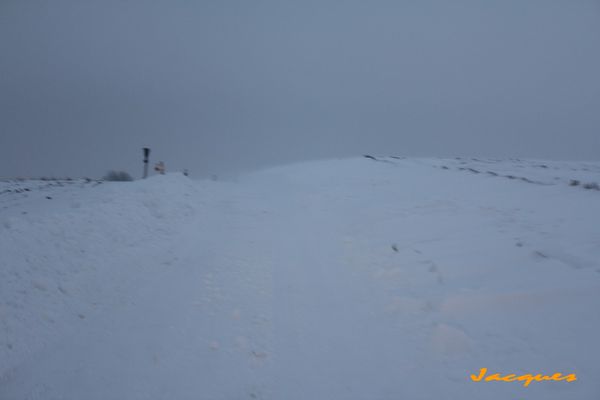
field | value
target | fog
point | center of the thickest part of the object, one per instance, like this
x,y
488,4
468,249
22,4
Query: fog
x,y
224,86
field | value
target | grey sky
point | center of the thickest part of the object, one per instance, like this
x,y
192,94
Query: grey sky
x,y
220,85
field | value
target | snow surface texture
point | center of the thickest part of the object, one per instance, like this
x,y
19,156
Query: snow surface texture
x,y
381,278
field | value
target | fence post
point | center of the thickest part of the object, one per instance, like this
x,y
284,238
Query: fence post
x,y
146,154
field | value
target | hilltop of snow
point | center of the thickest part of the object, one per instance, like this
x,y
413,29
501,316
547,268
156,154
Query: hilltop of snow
x,y
365,278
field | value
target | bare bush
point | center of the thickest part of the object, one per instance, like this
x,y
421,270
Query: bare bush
x,y
117,176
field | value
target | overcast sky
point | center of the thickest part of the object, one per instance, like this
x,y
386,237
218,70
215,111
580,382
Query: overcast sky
x,y
218,86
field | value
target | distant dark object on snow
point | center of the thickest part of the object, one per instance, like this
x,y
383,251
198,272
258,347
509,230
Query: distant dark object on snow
x,y
370,157
117,176
591,186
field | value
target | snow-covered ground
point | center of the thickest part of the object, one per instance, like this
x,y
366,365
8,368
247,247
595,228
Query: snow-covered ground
x,y
388,278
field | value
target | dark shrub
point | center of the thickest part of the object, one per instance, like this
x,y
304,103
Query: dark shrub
x,y
117,176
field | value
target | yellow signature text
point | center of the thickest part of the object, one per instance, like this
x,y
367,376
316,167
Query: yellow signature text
x,y
526,378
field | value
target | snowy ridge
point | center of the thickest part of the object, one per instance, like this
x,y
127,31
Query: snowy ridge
x,y
529,171
336,279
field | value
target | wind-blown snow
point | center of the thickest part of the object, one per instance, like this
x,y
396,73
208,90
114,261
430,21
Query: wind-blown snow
x,y
384,278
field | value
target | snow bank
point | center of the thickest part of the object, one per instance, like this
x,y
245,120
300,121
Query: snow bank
x,y
366,278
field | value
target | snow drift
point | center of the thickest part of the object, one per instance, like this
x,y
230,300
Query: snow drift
x,y
370,278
